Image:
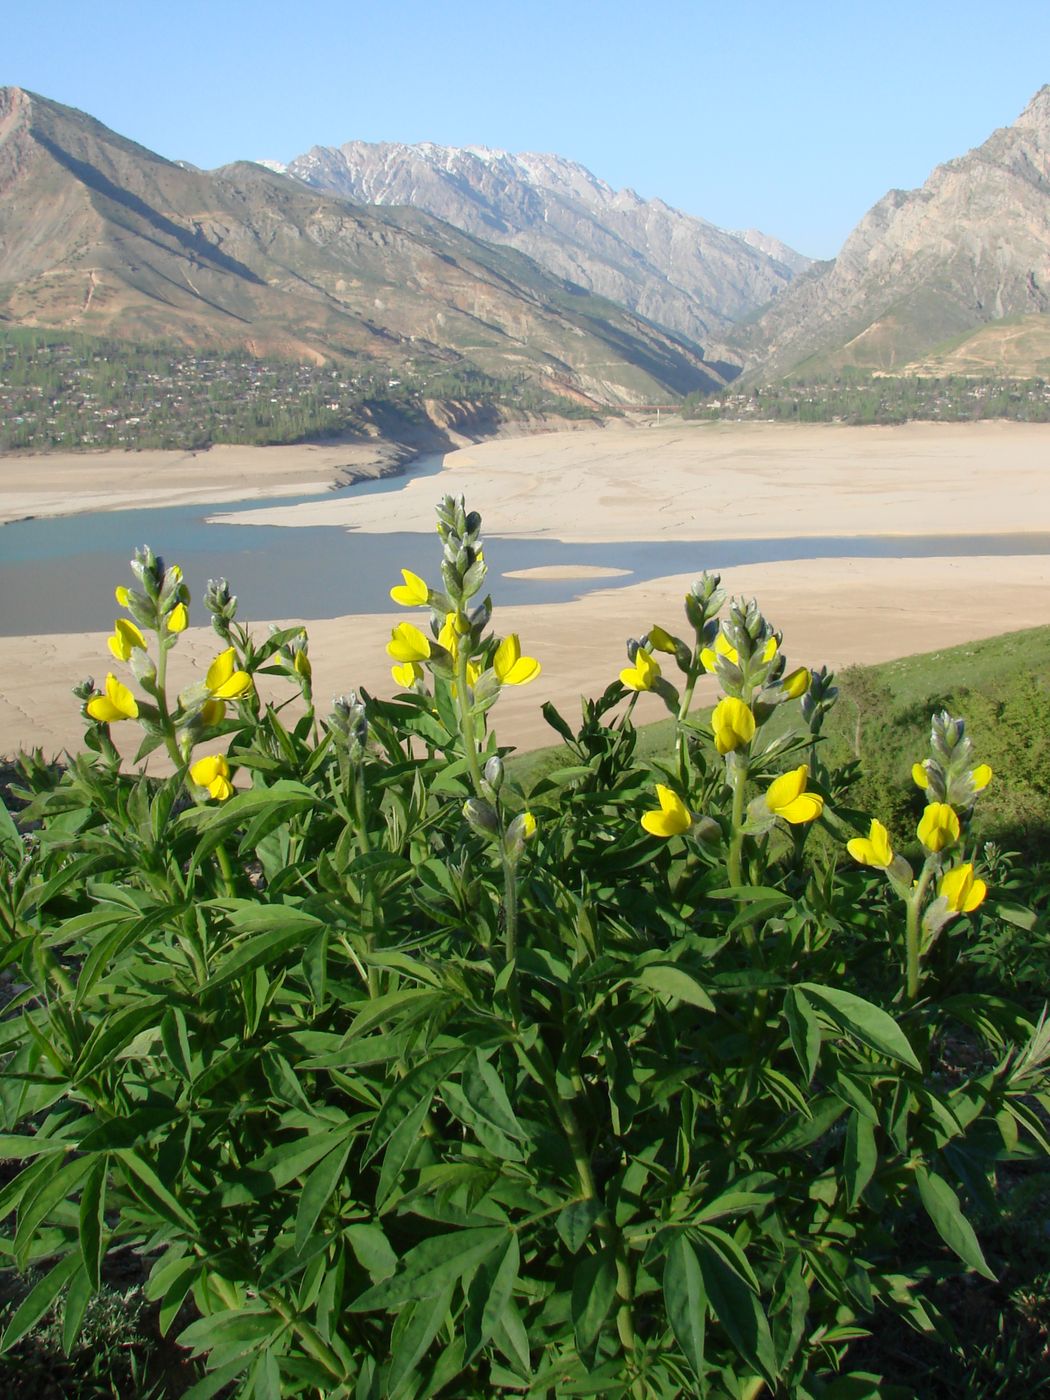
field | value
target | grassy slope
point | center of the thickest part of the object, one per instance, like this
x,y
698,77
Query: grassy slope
x,y
1001,687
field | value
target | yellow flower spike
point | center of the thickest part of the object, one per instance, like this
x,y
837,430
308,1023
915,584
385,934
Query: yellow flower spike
x,y
407,674
673,818
660,640
962,892
116,704
787,797
981,777
510,666
919,776
122,595
413,593
178,618
213,773
641,675
223,680
126,637
733,724
939,827
873,849
407,643
450,634
796,684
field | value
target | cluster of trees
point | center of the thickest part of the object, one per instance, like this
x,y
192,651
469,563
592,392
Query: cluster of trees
x,y
63,390
856,397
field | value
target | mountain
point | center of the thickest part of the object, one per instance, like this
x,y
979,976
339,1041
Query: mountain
x,y
680,271
100,234
926,269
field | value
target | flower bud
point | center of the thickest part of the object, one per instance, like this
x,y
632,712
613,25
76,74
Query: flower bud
x,y
481,815
521,829
494,772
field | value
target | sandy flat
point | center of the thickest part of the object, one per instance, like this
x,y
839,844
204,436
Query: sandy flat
x,y
563,571
754,480
67,483
688,481
834,611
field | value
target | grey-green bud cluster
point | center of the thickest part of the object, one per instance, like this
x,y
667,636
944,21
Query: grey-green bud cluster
x,y
348,721
222,604
950,768
462,566
704,600
819,698
163,589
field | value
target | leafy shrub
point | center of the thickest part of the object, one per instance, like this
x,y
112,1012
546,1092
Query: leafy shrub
x,y
408,1088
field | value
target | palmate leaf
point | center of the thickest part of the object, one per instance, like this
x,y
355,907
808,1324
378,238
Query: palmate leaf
x,y
593,1291
868,1023
416,1087
431,1266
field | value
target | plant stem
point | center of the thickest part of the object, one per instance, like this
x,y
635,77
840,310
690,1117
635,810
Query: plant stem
x,y
510,934
913,934
466,720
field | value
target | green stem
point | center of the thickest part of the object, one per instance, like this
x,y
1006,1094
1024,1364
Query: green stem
x,y
368,902
913,934
683,708
162,707
510,934
222,856
466,720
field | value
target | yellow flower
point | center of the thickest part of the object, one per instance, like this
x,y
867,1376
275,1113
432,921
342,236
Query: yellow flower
x,y
796,684
116,704
962,892
301,665
122,595
939,827
660,640
528,825
413,593
126,637
981,777
919,776
407,674
510,666
224,682
641,675
673,817
213,773
726,649
873,849
178,618
787,797
407,643
733,724
452,629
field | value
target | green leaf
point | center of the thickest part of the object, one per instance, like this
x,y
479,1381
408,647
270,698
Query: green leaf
x,y
78,1295
273,930
737,1308
868,1023
38,1300
804,1029
416,1327
483,1089
942,1206
15,1148
489,1293
417,1087
92,1219
860,1158
593,1291
431,1266
317,1192
10,840
686,1301
156,1192
575,1221
668,981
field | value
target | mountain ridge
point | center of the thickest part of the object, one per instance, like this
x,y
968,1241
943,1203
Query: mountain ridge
x,y
98,232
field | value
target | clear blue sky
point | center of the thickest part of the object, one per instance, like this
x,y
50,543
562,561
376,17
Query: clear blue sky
x,y
791,119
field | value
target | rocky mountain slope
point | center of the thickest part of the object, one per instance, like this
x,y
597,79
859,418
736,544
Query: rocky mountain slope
x,y
679,271
926,266
101,234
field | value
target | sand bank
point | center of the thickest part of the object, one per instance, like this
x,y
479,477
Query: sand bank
x,y
692,481
68,483
836,611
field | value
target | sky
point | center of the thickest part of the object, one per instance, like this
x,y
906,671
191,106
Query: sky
x,y
793,119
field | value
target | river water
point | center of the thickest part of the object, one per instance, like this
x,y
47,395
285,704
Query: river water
x,y
58,575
